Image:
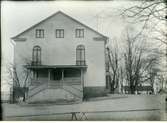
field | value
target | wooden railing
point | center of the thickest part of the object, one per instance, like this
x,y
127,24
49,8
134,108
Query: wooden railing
x,y
66,81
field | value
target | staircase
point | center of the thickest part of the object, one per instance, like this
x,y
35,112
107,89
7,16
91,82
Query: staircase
x,y
75,90
33,90
53,91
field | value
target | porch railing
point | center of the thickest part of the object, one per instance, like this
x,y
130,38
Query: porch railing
x,y
66,81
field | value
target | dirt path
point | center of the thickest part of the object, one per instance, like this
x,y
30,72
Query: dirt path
x,y
111,108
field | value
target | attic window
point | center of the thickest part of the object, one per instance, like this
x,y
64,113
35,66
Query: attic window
x,y
79,33
59,33
39,33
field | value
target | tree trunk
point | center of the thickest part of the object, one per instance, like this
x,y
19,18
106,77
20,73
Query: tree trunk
x,y
112,88
132,89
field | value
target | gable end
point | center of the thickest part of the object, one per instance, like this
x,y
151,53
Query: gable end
x,y
104,38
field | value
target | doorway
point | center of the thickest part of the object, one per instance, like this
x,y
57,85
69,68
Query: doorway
x,y
56,74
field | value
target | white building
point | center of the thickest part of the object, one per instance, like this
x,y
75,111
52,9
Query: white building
x,y
66,59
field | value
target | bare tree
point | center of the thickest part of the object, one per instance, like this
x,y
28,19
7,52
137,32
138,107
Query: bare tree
x,y
18,79
132,64
147,10
152,15
115,69
14,76
138,60
150,12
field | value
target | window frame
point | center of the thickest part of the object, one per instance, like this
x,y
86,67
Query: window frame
x,y
79,33
36,55
80,55
39,33
59,33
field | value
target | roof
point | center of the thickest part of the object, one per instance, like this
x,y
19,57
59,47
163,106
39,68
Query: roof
x,y
64,15
54,66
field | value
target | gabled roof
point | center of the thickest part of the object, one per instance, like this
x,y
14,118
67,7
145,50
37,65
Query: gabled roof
x,y
15,37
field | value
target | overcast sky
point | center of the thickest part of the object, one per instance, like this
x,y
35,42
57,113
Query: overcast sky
x,y
18,16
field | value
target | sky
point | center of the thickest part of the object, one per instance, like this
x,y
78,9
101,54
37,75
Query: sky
x,y
102,16
18,16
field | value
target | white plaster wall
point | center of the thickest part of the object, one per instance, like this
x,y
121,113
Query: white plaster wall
x,y
62,51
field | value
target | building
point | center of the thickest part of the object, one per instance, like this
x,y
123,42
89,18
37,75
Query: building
x,y
65,59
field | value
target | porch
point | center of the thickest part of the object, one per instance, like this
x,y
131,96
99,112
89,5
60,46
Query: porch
x,y
59,75
65,82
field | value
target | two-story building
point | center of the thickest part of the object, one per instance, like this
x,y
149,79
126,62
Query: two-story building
x,y
66,59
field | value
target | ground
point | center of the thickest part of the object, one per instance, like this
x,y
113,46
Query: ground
x,y
112,107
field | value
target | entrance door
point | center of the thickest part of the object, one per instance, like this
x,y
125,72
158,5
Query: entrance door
x,y
57,74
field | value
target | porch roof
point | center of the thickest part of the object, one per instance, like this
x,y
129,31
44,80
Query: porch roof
x,y
54,66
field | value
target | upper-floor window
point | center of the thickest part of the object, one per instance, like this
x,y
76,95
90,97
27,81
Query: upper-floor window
x,y
36,55
80,55
59,33
39,33
79,33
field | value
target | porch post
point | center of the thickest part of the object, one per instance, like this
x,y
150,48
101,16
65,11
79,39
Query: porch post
x,y
82,82
82,78
48,76
62,76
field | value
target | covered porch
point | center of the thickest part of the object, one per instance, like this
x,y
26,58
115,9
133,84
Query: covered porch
x,y
57,75
53,83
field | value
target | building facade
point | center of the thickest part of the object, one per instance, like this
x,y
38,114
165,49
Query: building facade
x,y
65,59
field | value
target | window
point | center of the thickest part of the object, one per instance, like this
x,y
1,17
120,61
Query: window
x,y
79,33
39,33
80,55
36,55
59,33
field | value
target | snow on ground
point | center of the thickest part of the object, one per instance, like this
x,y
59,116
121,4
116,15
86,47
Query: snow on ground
x,y
113,107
